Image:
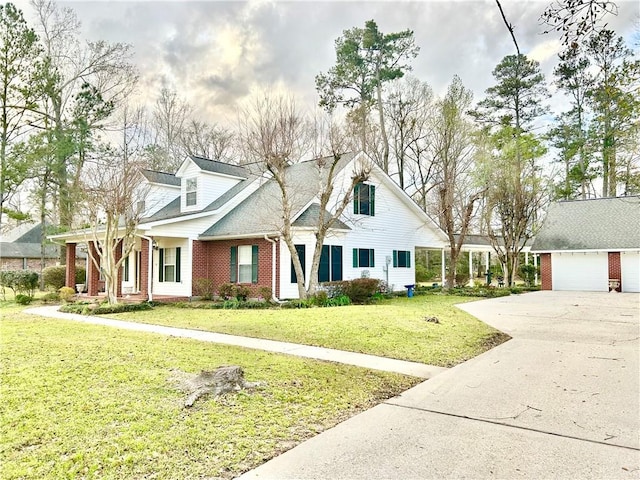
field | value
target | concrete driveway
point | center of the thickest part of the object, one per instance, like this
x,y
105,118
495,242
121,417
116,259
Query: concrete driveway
x,y
559,400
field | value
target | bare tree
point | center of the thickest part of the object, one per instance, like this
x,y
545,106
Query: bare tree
x,y
576,19
275,134
169,119
81,83
208,140
454,160
113,202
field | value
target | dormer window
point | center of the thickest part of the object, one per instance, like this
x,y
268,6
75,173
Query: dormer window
x,y
191,192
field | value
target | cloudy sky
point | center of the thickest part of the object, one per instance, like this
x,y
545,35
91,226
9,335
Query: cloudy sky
x,y
216,53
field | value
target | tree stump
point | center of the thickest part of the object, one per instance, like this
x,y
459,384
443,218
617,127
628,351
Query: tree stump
x,y
222,380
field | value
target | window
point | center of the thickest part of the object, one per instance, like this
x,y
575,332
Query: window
x,y
301,250
363,257
330,269
169,270
364,199
402,259
140,206
192,191
244,264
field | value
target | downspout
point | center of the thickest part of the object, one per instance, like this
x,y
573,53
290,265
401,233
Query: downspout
x,y
150,272
273,268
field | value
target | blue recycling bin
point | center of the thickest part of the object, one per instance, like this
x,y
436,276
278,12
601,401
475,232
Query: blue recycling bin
x,y
409,290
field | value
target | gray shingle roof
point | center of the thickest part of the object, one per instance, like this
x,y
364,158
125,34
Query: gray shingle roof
x,y
309,218
172,209
261,212
219,167
599,224
27,250
161,177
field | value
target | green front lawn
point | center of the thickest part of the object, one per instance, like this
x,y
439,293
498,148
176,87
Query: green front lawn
x,y
394,328
84,401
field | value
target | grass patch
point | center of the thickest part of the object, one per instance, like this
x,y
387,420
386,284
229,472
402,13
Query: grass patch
x,y
85,401
393,328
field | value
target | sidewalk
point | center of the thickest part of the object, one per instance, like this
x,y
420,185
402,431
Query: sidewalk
x,y
373,362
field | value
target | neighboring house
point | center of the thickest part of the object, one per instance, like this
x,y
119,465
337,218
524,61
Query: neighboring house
x,y
591,245
222,222
20,249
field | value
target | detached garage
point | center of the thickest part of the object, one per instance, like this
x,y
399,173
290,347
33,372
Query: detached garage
x,y
591,245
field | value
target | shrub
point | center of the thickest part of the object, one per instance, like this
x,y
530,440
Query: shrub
x,y
338,301
242,292
320,298
227,291
50,297
528,273
66,293
297,304
203,288
84,308
22,282
55,277
360,290
462,279
266,293
23,299
81,275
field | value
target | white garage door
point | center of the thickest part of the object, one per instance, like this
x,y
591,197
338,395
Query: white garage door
x,y
587,272
630,265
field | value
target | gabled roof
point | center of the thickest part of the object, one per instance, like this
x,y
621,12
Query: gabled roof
x,y
309,218
261,212
161,177
214,166
598,224
172,209
27,250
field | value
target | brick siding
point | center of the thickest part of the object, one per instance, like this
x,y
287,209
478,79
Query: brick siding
x,y
144,267
31,263
545,271
212,259
615,270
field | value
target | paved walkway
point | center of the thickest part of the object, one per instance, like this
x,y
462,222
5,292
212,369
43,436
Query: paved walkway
x,y
559,400
415,369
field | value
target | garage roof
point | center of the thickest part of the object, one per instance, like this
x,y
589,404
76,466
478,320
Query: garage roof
x,y
599,224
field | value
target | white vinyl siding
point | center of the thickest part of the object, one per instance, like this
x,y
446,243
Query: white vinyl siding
x,y
587,272
630,266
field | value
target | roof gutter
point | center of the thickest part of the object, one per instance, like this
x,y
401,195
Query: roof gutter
x,y
273,243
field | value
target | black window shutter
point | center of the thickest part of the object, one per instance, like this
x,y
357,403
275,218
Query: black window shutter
x,y
372,200
408,259
336,263
234,265
254,264
301,251
356,199
355,258
177,264
323,268
395,258
372,262
161,269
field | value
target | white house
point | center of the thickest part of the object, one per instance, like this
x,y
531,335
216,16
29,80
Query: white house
x,y
591,245
222,222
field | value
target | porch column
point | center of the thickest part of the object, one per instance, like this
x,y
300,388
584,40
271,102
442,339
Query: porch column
x,y
535,274
471,274
119,276
144,268
443,270
93,274
70,276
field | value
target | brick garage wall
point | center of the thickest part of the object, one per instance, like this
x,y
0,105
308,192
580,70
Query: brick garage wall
x,y
212,259
545,271
615,270
32,263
